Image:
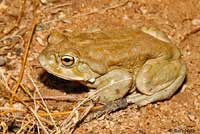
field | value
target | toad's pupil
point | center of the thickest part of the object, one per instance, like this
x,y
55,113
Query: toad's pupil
x,y
67,59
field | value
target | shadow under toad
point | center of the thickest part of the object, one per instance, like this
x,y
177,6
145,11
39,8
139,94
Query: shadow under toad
x,y
53,82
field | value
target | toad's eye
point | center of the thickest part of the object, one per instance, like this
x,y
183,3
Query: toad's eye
x,y
67,60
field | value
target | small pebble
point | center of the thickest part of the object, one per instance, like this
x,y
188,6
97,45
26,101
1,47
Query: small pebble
x,y
130,4
2,61
19,106
196,22
40,41
125,17
191,116
44,1
143,10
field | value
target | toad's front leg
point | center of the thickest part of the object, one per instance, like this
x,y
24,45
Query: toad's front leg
x,y
113,85
158,80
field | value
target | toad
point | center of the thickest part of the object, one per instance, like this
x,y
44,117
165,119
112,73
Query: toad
x,y
141,61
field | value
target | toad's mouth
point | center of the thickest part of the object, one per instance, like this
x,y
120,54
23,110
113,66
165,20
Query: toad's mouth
x,y
64,73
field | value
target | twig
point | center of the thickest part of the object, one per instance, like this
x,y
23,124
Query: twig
x,y
31,127
21,13
11,92
38,130
10,110
36,116
14,35
23,87
87,13
5,127
102,9
58,98
26,53
196,30
46,108
32,98
24,126
59,5
88,109
93,96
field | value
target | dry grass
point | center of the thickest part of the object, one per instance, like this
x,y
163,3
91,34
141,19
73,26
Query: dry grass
x,y
23,106
18,114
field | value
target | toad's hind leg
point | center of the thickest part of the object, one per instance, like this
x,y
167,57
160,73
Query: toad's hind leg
x,y
158,80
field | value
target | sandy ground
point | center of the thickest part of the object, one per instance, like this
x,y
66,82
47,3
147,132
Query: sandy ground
x,y
180,19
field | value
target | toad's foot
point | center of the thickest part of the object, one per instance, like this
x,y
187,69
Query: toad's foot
x,y
158,80
107,109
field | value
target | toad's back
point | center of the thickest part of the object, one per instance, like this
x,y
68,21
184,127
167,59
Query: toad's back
x,y
125,47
